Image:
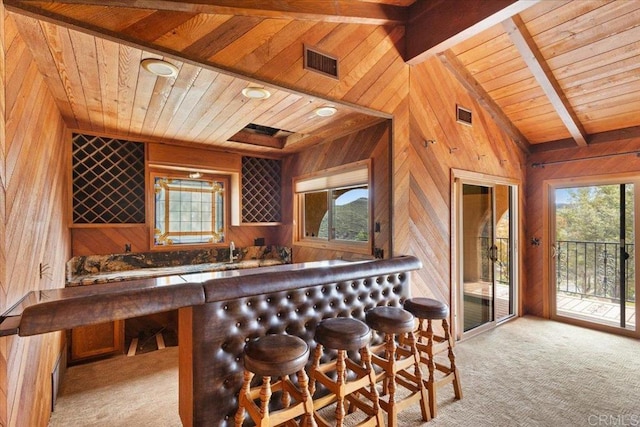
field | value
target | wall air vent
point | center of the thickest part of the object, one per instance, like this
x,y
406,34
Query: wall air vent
x,y
320,62
463,115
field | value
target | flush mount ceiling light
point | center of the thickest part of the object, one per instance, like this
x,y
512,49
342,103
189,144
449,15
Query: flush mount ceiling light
x,y
159,67
325,111
256,92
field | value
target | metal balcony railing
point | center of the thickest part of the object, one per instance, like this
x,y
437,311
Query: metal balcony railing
x,y
502,271
592,269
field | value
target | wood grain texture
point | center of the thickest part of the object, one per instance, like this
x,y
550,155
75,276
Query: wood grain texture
x,y
575,164
3,280
482,148
34,182
373,143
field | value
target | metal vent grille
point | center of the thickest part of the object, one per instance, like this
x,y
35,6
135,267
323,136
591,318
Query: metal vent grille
x,y
108,181
261,190
463,115
321,63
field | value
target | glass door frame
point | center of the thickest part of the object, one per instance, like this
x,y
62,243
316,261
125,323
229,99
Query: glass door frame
x,y
458,178
549,188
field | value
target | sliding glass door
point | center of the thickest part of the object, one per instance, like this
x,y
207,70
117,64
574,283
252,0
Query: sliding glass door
x,y
593,254
485,252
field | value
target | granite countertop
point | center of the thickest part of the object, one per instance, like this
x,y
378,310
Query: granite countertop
x,y
147,273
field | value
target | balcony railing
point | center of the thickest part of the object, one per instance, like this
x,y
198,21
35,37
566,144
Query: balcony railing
x,y
502,271
593,269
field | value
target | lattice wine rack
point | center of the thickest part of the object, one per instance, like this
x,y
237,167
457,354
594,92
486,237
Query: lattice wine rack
x,y
108,181
261,190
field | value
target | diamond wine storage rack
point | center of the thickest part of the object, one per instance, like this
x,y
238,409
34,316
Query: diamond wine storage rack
x,y
261,190
108,181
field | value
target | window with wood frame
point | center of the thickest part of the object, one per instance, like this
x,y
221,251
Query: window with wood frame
x,y
333,208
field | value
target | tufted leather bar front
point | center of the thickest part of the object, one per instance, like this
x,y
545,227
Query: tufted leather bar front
x,y
236,309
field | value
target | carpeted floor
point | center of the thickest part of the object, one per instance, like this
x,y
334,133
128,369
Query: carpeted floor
x,y
528,372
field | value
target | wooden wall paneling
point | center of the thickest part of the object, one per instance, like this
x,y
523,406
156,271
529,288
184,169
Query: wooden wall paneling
x,y
172,155
195,28
32,33
575,163
109,240
246,43
278,43
373,142
245,235
482,148
34,225
4,347
289,62
157,23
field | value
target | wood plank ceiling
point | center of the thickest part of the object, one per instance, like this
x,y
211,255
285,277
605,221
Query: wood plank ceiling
x,y
556,73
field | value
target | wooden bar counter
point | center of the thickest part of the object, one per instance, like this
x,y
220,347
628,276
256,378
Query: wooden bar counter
x,y
219,311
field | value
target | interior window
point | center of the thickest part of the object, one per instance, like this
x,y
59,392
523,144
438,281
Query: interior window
x,y
189,211
333,208
350,214
316,209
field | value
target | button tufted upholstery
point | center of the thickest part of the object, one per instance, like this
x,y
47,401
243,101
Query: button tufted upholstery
x,y
291,302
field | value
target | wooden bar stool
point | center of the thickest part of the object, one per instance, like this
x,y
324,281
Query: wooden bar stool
x,y
428,309
275,356
351,379
396,361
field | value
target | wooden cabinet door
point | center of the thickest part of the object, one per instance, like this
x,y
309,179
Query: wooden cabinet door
x,y
97,340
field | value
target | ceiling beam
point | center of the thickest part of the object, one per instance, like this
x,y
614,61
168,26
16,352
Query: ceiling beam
x,y
618,135
436,26
340,11
531,55
453,64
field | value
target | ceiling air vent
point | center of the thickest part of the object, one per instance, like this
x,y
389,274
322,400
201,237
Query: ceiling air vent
x,y
320,62
463,115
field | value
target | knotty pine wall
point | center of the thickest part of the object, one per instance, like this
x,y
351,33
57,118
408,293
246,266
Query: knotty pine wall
x,y
481,148
373,143
578,165
33,173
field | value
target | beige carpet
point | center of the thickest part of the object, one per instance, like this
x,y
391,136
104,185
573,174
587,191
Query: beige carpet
x,y
140,390
528,372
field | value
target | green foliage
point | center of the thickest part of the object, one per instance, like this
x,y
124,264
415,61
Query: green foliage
x,y
592,214
351,221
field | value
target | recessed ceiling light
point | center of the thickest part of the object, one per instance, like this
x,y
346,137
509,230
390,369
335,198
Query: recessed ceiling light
x,y
159,67
325,111
256,92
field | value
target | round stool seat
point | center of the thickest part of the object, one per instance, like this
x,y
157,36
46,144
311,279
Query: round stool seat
x,y
276,355
343,333
427,308
390,320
